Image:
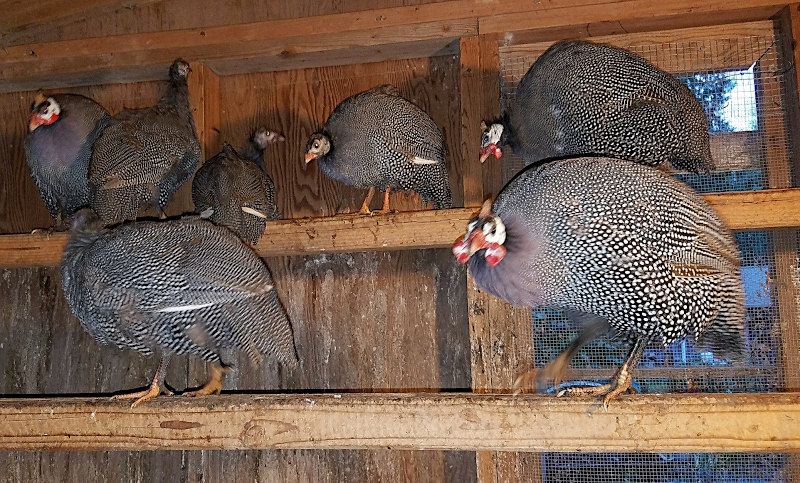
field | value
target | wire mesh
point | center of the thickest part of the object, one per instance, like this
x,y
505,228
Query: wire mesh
x,y
740,82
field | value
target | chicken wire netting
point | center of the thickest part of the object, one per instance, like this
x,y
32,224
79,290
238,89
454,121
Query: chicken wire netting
x,y
740,82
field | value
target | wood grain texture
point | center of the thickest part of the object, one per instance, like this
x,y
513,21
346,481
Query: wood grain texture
x,y
682,423
667,14
128,57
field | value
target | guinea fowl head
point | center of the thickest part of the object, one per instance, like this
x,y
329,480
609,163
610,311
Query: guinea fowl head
x,y
264,137
490,140
179,70
318,145
484,232
44,110
86,220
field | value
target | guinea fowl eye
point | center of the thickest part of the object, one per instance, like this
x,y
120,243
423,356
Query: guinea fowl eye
x,y
316,145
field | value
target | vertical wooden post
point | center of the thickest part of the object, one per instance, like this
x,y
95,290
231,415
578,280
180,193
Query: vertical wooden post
x,y
501,337
204,95
787,25
786,259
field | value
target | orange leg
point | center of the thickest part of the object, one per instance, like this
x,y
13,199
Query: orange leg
x,y
155,387
385,208
621,381
365,205
214,384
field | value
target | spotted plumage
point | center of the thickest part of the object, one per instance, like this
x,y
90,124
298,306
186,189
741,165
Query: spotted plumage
x,y
177,286
379,140
234,190
581,98
624,242
145,155
62,130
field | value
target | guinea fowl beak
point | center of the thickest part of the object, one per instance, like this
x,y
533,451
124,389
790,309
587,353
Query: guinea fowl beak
x,y
310,157
490,149
35,122
464,248
477,241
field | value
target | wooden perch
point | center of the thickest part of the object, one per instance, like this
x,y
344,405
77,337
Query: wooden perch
x,y
747,210
682,423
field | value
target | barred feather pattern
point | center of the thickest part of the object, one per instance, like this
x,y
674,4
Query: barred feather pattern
x,y
375,137
145,155
582,98
58,154
229,181
180,286
621,241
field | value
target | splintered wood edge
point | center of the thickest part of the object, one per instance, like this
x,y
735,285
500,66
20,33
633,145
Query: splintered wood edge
x,y
747,210
683,423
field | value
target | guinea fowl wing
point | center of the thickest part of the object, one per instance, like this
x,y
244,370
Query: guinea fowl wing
x,y
132,138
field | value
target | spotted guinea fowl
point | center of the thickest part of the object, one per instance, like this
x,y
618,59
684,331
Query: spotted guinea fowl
x,y
628,244
233,190
581,98
177,287
145,155
378,139
61,132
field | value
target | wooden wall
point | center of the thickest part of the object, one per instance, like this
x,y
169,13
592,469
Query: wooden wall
x,y
387,321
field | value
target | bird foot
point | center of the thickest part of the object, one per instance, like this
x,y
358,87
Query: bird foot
x,y
142,396
214,384
608,391
44,232
383,212
365,211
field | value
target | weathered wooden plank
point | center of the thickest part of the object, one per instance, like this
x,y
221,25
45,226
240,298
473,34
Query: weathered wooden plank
x,y
129,57
747,210
707,12
641,423
20,14
127,66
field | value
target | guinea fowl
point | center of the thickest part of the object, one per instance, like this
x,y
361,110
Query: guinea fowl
x,y
378,139
633,247
179,287
233,190
581,98
145,155
61,132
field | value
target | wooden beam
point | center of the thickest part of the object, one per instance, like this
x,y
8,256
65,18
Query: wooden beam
x,y
747,210
480,95
682,423
21,14
141,56
204,98
667,14
128,65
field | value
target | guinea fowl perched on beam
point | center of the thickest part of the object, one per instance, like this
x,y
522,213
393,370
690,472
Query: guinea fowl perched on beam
x,y
61,132
379,140
177,287
145,155
581,98
235,191
628,244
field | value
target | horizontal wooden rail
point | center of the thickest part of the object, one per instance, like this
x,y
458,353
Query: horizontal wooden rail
x,y
640,423
747,210
303,41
